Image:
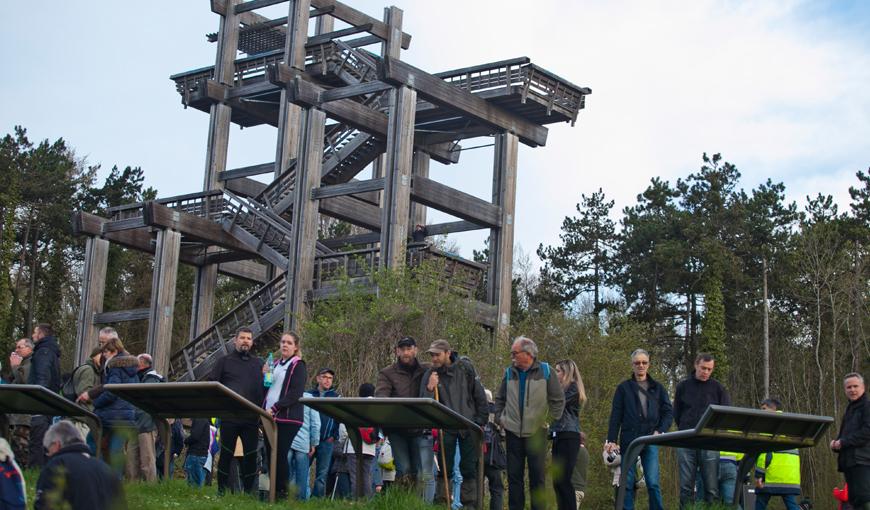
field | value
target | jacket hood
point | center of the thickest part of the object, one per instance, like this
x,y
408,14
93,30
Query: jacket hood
x,y
124,361
49,343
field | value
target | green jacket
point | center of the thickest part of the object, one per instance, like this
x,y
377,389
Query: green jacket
x,y
86,377
543,401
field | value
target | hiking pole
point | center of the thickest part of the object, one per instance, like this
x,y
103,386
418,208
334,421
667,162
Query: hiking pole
x,y
443,460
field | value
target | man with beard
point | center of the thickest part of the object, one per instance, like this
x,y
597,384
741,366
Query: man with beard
x,y
412,451
241,372
455,383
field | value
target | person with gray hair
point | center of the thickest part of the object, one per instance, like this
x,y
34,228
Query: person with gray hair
x,y
528,398
72,477
641,407
853,442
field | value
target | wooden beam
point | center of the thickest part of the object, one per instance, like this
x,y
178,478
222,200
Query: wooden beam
x,y
354,211
256,4
452,227
419,168
245,187
159,339
354,17
438,91
140,239
360,89
136,314
93,290
245,270
246,171
329,36
397,166
348,188
300,267
454,202
393,19
158,215
501,239
202,308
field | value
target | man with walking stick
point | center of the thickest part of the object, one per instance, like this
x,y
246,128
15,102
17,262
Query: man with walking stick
x,y
454,382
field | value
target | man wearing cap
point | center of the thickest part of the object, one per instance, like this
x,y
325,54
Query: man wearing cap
x,y
328,432
459,389
402,380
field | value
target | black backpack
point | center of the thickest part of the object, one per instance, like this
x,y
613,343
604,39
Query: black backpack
x,y
68,388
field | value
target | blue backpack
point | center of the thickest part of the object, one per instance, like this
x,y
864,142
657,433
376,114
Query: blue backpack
x,y
544,366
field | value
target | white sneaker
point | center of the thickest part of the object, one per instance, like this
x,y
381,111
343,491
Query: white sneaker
x,y
579,495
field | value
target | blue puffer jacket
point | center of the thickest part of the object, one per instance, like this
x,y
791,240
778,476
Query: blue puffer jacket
x,y
114,411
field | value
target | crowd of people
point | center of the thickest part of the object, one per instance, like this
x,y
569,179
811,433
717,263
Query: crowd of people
x,y
533,406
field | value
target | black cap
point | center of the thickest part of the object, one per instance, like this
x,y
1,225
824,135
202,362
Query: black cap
x,y
407,342
326,371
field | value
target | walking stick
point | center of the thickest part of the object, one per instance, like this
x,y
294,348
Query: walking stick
x,y
443,461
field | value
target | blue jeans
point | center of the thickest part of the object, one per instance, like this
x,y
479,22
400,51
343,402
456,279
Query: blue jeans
x,y
406,454
688,460
194,467
457,479
323,459
761,500
727,481
427,468
649,459
299,465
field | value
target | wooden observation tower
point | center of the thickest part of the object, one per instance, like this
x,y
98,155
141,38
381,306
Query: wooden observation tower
x,y
342,100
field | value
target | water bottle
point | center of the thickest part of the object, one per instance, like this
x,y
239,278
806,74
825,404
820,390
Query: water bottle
x,y
267,377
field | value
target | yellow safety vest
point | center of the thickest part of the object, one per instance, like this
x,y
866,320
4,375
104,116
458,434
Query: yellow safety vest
x,y
731,456
783,471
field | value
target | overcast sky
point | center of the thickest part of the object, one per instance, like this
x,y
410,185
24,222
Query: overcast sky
x,y
781,89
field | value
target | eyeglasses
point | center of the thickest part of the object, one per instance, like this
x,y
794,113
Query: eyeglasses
x,y
640,363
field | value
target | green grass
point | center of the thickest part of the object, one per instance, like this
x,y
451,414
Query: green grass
x,y
177,494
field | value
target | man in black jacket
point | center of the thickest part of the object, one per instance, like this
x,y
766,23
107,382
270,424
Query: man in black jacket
x,y
853,442
241,372
694,394
640,407
44,371
74,479
460,389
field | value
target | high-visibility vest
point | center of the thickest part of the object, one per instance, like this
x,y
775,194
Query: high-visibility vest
x,y
781,470
735,457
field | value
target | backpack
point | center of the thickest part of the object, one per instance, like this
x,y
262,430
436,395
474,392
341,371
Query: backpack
x,y
544,366
68,388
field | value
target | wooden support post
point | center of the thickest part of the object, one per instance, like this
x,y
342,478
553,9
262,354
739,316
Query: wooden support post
x,y
294,56
203,299
392,47
420,167
501,240
305,215
159,340
93,289
221,114
397,190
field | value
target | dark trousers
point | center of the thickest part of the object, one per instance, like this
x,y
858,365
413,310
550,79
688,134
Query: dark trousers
x,y
38,427
520,451
496,486
286,433
469,454
858,478
230,432
565,449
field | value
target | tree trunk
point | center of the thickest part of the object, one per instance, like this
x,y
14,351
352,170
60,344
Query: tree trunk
x,y
766,332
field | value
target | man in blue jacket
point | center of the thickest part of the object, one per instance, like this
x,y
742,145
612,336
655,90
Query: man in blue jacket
x,y
328,432
640,407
